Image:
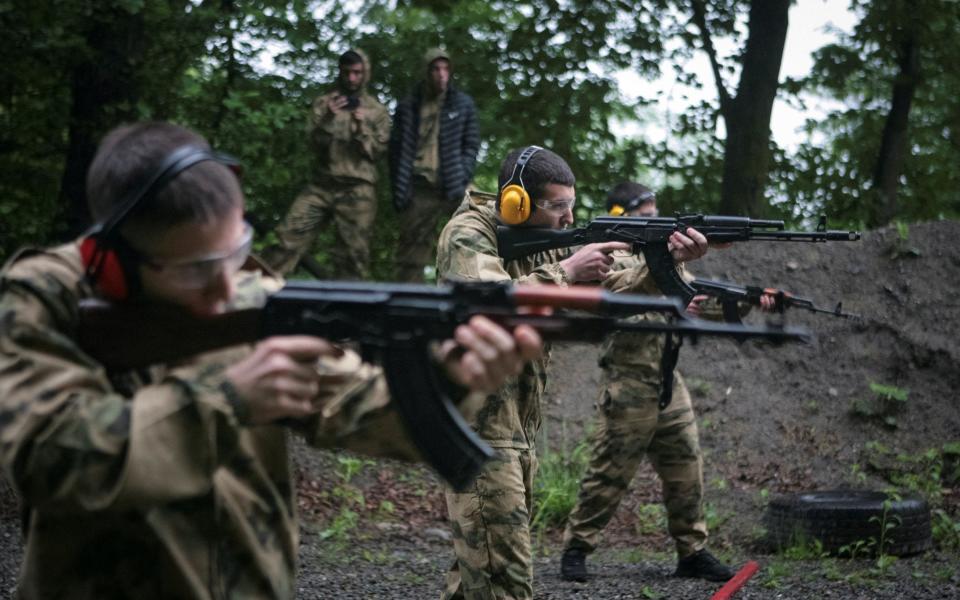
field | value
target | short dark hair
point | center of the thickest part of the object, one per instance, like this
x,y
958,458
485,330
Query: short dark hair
x,y
629,195
542,169
131,154
350,57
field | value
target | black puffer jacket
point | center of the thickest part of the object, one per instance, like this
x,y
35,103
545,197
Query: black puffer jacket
x,y
458,138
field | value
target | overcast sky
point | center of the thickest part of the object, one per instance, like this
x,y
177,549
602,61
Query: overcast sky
x,y
807,32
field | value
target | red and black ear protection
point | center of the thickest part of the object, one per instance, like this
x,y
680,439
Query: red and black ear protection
x,y
110,262
513,203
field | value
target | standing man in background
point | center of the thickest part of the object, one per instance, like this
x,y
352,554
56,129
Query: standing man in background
x,y
433,152
348,130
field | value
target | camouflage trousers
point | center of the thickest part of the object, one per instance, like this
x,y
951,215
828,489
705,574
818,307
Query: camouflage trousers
x,y
630,425
349,208
418,231
491,531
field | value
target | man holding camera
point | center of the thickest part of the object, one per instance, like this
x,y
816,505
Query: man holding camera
x,y
349,130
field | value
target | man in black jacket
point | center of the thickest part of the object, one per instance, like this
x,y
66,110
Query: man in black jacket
x,y
433,151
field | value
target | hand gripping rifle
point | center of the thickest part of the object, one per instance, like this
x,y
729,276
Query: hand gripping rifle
x,y
394,324
730,295
650,236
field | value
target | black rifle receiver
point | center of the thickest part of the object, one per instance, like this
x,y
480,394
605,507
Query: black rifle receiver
x,y
395,325
650,235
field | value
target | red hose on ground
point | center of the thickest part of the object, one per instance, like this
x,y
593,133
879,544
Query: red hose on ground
x,y
737,581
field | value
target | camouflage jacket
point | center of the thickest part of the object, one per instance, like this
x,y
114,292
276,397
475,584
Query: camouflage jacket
x,y
346,149
148,484
468,250
636,356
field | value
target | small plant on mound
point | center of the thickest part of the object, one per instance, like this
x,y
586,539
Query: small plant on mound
x,y
919,472
901,247
886,403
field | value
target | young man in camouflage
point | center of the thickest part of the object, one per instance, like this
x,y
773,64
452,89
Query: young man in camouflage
x,y
629,424
491,521
433,151
174,481
349,131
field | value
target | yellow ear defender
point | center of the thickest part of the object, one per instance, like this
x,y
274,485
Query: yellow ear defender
x,y
513,204
616,210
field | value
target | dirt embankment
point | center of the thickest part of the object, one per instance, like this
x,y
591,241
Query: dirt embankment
x,y
791,405
781,418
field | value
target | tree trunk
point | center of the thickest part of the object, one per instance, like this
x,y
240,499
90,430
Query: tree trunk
x,y
893,145
746,156
105,92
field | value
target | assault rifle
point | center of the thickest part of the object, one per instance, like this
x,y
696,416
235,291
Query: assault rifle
x,y
729,295
394,325
649,235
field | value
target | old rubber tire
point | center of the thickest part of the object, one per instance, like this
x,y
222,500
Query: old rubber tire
x,y
843,518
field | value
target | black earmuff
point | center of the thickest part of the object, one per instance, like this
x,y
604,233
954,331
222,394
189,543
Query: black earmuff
x,y
619,209
110,262
513,203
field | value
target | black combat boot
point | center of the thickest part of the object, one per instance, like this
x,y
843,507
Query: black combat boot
x,y
703,565
573,565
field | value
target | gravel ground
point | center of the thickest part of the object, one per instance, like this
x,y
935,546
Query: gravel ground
x,y
399,567
374,564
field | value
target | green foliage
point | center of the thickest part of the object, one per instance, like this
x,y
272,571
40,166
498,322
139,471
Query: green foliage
x,y
715,518
886,403
901,247
921,473
557,484
349,466
771,577
647,592
243,73
341,526
945,529
834,170
651,519
887,525
350,499
805,549
951,464
386,508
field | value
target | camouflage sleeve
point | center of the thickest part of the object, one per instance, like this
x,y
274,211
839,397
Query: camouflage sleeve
x,y
468,250
630,274
373,133
355,412
325,126
67,437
